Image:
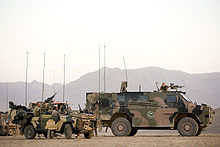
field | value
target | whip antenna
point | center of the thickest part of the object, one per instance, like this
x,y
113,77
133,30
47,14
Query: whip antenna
x,y
126,72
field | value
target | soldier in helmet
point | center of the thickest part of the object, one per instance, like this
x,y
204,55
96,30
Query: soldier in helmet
x,y
37,110
164,87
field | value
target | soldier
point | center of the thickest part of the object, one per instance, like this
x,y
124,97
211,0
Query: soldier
x,y
124,85
55,111
37,110
55,114
164,87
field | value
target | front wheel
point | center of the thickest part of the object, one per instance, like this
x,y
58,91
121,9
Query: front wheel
x,y
88,135
29,132
121,127
68,131
187,127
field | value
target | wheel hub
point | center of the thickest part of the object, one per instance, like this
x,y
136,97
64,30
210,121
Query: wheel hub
x,y
120,127
29,131
187,127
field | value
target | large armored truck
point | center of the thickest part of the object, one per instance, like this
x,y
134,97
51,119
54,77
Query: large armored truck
x,y
127,112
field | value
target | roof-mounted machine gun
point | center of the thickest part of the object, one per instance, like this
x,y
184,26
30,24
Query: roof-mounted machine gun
x,y
173,86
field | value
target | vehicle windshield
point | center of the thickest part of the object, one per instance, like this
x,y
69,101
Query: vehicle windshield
x,y
185,97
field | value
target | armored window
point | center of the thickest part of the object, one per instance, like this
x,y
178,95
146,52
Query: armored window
x,y
171,98
143,98
171,101
121,98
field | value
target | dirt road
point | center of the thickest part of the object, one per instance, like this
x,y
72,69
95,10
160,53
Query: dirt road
x,y
108,140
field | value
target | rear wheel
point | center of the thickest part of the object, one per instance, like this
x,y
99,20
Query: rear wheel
x,y
133,132
88,135
29,132
187,127
121,127
68,131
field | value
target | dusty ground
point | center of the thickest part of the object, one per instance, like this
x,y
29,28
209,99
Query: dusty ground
x,y
143,138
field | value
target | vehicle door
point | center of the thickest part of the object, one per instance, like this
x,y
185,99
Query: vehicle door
x,y
170,109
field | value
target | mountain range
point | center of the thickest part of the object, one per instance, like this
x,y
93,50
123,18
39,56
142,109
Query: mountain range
x,y
200,88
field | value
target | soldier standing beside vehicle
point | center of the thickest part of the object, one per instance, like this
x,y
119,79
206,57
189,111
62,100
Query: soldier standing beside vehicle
x,y
37,110
55,114
164,87
55,111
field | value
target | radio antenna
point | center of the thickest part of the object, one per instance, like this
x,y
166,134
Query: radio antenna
x,y
99,70
104,71
126,72
7,97
43,79
54,86
63,78
26,88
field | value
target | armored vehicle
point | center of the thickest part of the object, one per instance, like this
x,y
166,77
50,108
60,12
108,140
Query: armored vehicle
x,y
48,125
127,112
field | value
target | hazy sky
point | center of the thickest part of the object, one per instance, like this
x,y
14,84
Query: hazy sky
x,y
182,35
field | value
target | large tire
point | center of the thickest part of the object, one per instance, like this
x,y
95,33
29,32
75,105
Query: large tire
x,y
68,131
133,132
29,132
121,127
187,127
88,135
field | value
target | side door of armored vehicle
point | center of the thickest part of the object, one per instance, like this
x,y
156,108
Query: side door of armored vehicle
x,y
169,107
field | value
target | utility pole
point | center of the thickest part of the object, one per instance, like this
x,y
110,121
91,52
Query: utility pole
x,y
64,78
26,86
43,79
104,71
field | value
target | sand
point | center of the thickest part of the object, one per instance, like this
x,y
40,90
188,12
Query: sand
x,y
141,139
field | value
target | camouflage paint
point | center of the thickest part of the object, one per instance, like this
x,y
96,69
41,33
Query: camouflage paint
x,y
147,109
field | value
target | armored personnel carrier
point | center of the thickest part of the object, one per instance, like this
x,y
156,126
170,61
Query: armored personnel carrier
x,y
127,112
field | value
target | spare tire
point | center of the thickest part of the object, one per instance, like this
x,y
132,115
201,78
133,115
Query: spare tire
x,y
21,118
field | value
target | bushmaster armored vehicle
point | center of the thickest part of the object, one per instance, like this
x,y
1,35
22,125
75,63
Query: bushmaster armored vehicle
x,y
127,112
77,123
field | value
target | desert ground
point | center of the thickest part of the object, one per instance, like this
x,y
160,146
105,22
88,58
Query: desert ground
x,y
144,138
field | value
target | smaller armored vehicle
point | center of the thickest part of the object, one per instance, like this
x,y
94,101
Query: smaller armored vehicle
x,y
127,112
48,124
